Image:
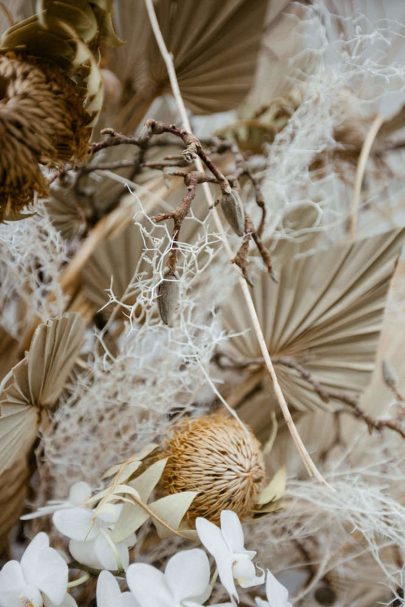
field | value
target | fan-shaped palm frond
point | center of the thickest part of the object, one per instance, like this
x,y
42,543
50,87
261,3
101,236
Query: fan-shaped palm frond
x,y
323,317
214,47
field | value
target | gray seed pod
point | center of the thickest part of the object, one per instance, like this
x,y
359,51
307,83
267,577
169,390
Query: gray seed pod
x,y
168,297
232,207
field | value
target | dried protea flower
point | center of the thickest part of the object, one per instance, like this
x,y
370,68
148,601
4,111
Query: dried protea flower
x,y
42,120
220,459
50,94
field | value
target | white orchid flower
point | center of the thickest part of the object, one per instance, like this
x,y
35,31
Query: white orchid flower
x,y
226,544
108,593
79,493
91,534
40,580
185,582
276,593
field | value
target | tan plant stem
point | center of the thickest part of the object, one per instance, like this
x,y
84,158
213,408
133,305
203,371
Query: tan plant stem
x,y
360,170
167,57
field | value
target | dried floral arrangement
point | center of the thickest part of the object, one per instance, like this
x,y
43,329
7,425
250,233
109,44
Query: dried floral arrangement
x,y
202,303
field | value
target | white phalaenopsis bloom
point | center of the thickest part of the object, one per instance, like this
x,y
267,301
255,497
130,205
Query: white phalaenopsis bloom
x,y
226,544
91,534
276,593
39,580
109,594
185,582
79,493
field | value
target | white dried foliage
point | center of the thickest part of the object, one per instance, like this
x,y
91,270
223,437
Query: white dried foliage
x,y
32,255
130,397
344,70
353,535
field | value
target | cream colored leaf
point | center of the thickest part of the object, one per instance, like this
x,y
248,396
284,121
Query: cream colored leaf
x,y
171,509
133,516
275,489
147,481
125,470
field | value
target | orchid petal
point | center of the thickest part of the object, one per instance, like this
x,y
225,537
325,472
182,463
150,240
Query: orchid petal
x,y
110,513
30,557
244,571
76,524
84,553
45,569
188,574
277,594
211,537
79,493
232,531
51,575
43,511
68,601
12,584
128,600
111,556
108,592
149,587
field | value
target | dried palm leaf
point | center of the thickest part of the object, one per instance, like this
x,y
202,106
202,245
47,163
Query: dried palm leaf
x,y
214,47
113,265
323,317
36,383
8,352
13,483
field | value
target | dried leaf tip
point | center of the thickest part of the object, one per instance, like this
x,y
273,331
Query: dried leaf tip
x,y
168,297
215,456
232,207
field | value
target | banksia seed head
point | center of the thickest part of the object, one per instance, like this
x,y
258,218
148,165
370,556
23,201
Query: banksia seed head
x,y
215,456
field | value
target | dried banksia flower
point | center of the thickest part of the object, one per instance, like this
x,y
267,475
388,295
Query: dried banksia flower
x,y
217,457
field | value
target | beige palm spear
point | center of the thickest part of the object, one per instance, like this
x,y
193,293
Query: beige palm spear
x,y
214,46
51,93
324,317
30,389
